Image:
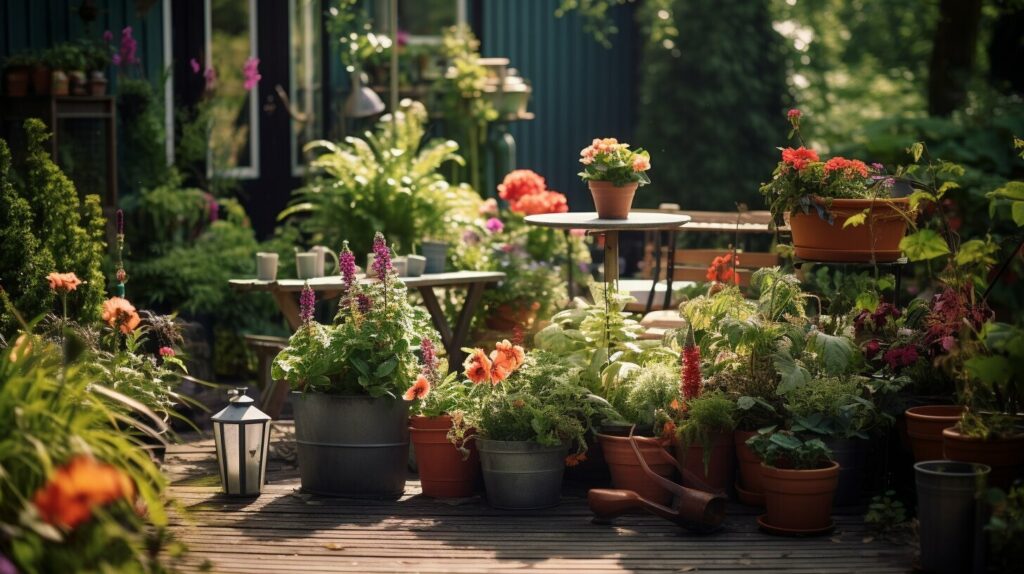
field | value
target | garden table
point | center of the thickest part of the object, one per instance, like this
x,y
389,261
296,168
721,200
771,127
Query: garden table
x,y
610,228
286,293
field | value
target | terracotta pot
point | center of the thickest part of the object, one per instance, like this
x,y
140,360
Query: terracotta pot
x,y
79,82
750,489
443,472
1005,455
799,500
612,202
625,468
59,85
720,470
924,428
508,316
879,236
16,82
97,84
41,77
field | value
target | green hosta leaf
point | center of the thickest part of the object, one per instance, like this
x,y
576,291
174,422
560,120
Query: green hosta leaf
x,y
990,370
835,351
923,245
867,300
786,441
856,219
793,373
361,366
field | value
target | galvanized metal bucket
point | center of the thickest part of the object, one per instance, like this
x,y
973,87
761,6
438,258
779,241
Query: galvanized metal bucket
x,y
522,475
950,515
351,446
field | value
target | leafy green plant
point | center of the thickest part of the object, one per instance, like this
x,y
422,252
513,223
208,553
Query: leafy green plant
x,y
640,393
388,181
1006,528
140,114
706,416
755,413
833,407
885,513
786,449
994,390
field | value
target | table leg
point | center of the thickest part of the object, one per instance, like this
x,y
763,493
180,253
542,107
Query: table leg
x,y
437,316
671,268
656,274
289,308
570,263
476,292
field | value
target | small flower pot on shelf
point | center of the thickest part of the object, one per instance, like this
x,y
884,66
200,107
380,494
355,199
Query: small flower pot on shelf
x,y
97,83
614,172
436,253
415,265
42,77
924,428
611,201
79,83
444,470
522,475
59,83
626,472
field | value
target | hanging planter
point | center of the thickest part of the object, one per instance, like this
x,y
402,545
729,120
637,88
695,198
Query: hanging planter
x,y
825,235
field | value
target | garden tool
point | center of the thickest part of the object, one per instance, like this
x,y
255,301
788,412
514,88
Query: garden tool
x,y
696,509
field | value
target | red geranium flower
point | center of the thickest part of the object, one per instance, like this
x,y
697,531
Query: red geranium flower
x,y
799,158
539,203
520,183
848,167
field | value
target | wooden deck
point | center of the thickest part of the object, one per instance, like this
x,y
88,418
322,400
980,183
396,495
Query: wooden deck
x,y
285,530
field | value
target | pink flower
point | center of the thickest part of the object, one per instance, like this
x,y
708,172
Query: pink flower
x,y
115,59
578,232
871,348
210,75
494,225
489,206
166,352
252,73
108,36
794,114
641,163
128,47
195,65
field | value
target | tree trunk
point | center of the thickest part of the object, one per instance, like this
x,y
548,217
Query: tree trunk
x,y
956,38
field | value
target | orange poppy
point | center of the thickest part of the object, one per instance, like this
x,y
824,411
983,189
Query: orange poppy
x,y
84,483
419,390
478,367
63,281
513,355
120,314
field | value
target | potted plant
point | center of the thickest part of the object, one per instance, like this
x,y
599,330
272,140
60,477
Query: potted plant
x,y
991,429
348,378
97,58
73,64
705,438
41,75
441,431
639,398
836,410
16,68
752,415
56,59
840,209
613,172
799,478
530,417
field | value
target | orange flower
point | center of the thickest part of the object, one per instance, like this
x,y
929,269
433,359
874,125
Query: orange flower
x,y
419,390
478,367
513,354
70,495
120,314
539,203
799,157
520,183
576,458
63,281
848,167
669,430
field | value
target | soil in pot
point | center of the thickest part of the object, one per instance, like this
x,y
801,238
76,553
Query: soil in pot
x,y
444,472
522,475
878,238
1004,456
351,446
611,201
949,516
719,473
799,501
748,486
924,428
625,468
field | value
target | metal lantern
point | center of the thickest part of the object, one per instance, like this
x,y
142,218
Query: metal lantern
x,y
242,435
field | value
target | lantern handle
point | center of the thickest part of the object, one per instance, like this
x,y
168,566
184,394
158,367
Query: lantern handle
x,y
237,392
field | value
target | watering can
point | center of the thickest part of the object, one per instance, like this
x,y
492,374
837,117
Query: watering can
x,y
699,509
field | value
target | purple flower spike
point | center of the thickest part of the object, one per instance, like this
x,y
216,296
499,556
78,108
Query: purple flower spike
x,y
194,63
429,358
251,70
381,257
364,303
347,266
307,301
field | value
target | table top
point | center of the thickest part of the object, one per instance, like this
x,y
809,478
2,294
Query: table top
x,y
588,220
334,282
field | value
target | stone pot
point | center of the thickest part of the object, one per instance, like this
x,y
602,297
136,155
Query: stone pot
x,y
436,253
522,475
611,201
415,265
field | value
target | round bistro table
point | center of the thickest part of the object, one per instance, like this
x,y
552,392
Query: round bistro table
x,y
610,228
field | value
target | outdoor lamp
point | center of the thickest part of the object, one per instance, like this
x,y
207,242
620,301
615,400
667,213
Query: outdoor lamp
x,y
362,102
242,436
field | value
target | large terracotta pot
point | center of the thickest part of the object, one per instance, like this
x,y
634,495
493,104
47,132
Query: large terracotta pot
x,y
924,428
612,202
508,316
41,77
799,501
749,487
625,468
1005,456
16,82
878,238
720,470
443,471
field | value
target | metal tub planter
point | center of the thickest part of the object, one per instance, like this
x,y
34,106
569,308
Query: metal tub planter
x,y
522,475
351,446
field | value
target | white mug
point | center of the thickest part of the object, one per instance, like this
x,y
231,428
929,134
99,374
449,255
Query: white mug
x,y
305,264
322,253
266,266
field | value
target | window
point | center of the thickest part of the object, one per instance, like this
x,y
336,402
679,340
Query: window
x,y
305,95
234,129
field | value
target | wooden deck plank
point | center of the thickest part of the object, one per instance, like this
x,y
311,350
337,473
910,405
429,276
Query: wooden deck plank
x,y
286,531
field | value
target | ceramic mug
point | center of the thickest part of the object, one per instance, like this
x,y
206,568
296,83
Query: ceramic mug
x,y
266,266
321,263
305,264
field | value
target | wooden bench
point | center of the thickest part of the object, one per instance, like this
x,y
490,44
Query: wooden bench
x,y
273,394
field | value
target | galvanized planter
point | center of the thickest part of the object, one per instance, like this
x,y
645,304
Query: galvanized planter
x,y
950,517
521,475
351,446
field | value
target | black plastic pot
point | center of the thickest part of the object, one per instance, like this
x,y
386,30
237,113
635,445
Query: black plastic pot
x,y
950,516
850,454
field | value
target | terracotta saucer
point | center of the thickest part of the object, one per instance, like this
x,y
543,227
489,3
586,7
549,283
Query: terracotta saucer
x,y
790,532
747,497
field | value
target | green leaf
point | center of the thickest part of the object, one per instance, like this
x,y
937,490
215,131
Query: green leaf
x,y
361,366
836,351
1013,190
856,219
976,251
386,368
786,441
946,186
867,300
920,195
793,374
923,245
1017,211
993,371
915,150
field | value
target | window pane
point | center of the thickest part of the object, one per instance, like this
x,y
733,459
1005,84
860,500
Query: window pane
x,y
231,138
306,83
